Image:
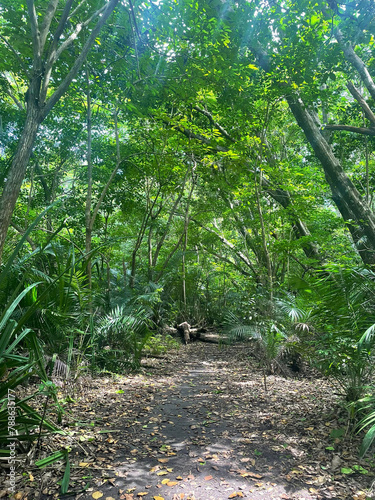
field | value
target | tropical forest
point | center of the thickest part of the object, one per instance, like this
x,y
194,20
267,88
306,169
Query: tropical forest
x,y
187,249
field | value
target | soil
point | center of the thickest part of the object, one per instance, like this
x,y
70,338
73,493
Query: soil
x,y
199,425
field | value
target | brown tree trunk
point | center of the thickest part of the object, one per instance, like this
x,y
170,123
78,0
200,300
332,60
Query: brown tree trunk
x,y
17,171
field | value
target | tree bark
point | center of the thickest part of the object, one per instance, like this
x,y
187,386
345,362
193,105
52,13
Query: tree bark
x,y
17,171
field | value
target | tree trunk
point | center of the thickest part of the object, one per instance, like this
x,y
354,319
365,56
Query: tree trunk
x,y
88,234
348,200
17,171
264,243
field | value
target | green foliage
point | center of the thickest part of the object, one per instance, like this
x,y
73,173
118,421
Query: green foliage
x,y
15,366
218,204
278,348
158,345
343,305
367,405
61,455
120,339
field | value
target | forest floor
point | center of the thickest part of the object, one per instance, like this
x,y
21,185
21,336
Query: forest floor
x,y
199,425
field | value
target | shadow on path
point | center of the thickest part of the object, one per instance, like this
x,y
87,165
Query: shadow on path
x,y
201,427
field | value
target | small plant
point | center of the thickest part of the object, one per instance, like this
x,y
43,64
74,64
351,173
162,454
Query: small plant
x,y
158,345
121,338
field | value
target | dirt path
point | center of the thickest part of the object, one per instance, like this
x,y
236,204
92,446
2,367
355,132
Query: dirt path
x,y
200,426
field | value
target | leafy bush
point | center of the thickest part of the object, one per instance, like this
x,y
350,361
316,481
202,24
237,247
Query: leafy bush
x,y
343,307
120,338
160,344
15,366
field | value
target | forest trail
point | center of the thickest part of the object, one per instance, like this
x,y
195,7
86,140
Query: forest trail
x,y
200,426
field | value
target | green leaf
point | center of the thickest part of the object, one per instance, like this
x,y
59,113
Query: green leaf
x,y
59,455
66,478
367,441
346,470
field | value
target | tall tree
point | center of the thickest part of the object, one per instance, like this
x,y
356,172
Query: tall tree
x,y
54,33
306,28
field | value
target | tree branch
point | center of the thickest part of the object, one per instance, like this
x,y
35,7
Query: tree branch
x,y
76,32
34,33
366,108
44,29
134,19
349,128
60,28
114,171
230,245
22,231
228,261
192,135
170,255
19,58
77,8
216,124
357,62
61,89
55,52
14,98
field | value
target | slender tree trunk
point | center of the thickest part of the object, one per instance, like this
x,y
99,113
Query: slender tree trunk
x,y
184,265
88,235
185,241
264,244
141,234
149,253
133,268
124,272
17,171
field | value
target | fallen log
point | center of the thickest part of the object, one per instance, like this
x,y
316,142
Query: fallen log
x,y
189,334
213,338
184,329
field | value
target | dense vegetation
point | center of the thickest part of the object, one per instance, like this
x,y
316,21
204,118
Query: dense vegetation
x,y
203,161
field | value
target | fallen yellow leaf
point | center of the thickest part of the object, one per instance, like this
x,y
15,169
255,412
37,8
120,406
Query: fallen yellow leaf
x,y
97,494
172,483
158,498
165,481
162,473
83,464
163,460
